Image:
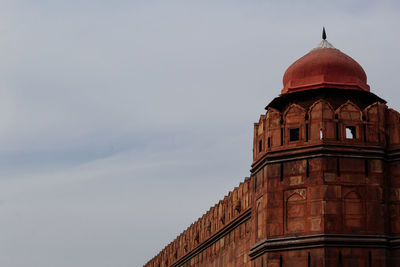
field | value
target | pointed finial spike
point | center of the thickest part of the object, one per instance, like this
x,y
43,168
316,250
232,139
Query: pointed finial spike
x,y
323,33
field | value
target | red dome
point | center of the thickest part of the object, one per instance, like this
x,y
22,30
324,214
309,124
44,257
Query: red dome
x,y
324,67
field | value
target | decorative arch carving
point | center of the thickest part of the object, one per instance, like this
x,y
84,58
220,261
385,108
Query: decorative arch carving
x,y
327,112
296,196
294,114
371,112
260,125
273,118
272,128
321,117
349,112
295,211
371,122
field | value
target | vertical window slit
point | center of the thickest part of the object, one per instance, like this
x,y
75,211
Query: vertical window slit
x,y
282,136
340,262
337,131
269,141
309,260
307,168
280,261
338,167
306,132
260,146
369,259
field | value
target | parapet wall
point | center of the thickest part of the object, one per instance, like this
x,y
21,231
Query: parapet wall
x,y
320,122
209,231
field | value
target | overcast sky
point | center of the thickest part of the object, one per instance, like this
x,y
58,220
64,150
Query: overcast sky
x,y
122,122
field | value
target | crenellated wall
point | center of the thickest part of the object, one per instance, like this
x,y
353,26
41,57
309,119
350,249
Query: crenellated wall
x,y
207,239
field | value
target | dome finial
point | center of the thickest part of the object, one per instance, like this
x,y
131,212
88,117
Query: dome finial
x,y
323,33
324,43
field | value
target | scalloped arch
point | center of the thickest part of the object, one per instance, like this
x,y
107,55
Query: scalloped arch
x,y
295,197
271,111
349,104
320,101
292,112
292,106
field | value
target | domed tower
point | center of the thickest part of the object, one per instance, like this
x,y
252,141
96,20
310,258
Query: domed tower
x,y
326,169
324,188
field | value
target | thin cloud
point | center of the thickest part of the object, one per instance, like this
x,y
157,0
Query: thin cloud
x,y
114,116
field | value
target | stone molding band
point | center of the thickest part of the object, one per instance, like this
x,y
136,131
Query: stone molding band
x,y
325,151
324,240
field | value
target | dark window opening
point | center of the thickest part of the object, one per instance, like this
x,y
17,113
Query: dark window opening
x,y
370,259
306,117
280,261
337,131
269,141
321,134
281,171
307,169
338,167
350,132
307,132
294,134
282,132
340,262
366,168
309,260
260,146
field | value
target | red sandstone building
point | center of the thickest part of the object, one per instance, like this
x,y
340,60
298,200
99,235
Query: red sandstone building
x,y
324,188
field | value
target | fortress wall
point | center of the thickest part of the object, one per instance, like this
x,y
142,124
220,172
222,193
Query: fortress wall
x,y
216,236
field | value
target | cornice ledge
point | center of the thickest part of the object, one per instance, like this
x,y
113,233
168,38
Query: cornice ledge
x,y
321,150
323,240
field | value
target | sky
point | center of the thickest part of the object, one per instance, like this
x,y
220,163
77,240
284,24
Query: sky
x,y
122,122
